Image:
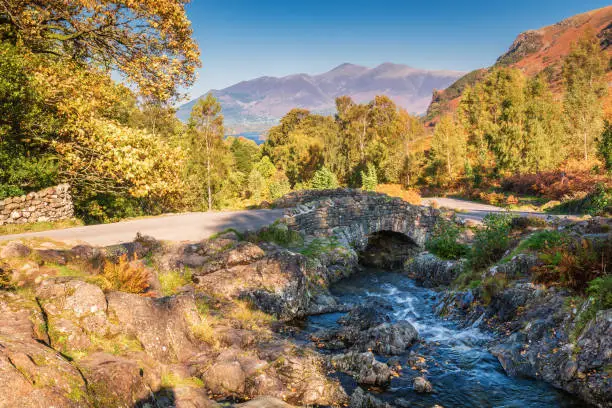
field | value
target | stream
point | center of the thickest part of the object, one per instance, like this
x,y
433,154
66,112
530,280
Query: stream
x,y
460,368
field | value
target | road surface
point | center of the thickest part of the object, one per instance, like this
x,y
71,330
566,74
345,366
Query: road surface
x,y
471,210
172,227
200,225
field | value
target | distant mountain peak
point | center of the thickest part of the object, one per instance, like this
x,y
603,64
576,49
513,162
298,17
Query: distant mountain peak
x,y
267,99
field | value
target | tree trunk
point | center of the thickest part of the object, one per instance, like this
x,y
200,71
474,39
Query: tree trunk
x,y
208,172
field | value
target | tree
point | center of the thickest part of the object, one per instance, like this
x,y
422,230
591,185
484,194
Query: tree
x,y
605,145
206,124
448,146
584,77
246,153
148,41
369,181
296,145
544,148
324,179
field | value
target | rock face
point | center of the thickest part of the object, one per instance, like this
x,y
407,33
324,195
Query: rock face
x,y
281,283
363,367
363,399
542,343
421,385
368,328
431,271
51,204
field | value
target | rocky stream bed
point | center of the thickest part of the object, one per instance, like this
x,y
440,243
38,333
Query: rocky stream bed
x,y
280,318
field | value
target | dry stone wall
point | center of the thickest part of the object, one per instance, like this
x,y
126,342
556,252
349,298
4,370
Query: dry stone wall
x,y
353,215
50,204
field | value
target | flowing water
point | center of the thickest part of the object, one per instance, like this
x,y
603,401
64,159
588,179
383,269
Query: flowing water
x,y
462,371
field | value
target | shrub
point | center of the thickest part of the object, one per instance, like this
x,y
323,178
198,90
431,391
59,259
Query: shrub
x,y
123,276
521,223
491,241
369,180
324,179
574,264
597,202
444,241
492,286
6,281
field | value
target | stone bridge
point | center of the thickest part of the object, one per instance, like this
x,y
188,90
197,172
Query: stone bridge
x,y
355,216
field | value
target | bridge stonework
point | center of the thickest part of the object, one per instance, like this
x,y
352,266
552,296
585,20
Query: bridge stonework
x,y
353,216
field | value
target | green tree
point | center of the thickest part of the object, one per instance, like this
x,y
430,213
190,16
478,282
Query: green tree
x,y
206,144
544,148
324,179
584,77
369,181
605,145
246,154
257,185
448,146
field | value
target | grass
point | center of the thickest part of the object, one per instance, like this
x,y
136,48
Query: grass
x,y
10,229
537,241
249,317
279,234
226,231
205,332
319,246
172,281
172,380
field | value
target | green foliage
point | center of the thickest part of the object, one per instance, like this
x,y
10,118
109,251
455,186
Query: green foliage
x,y
172,281
598,202
600,293
209,157
324,179
541,240
584,72
491,241
448,148
444,241
604,145
246,154
493,286
319,246
369,180
279,234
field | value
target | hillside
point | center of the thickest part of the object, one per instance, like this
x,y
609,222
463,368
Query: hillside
x,y
265,100
535,51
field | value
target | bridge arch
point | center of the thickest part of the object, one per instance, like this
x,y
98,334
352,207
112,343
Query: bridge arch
x,y
355,216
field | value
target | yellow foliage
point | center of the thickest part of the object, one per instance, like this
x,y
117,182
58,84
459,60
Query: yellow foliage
x,y
123,276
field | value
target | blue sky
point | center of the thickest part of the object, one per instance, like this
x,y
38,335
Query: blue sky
x,y
245,39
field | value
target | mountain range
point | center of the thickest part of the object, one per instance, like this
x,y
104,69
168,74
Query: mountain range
x,y
263,101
